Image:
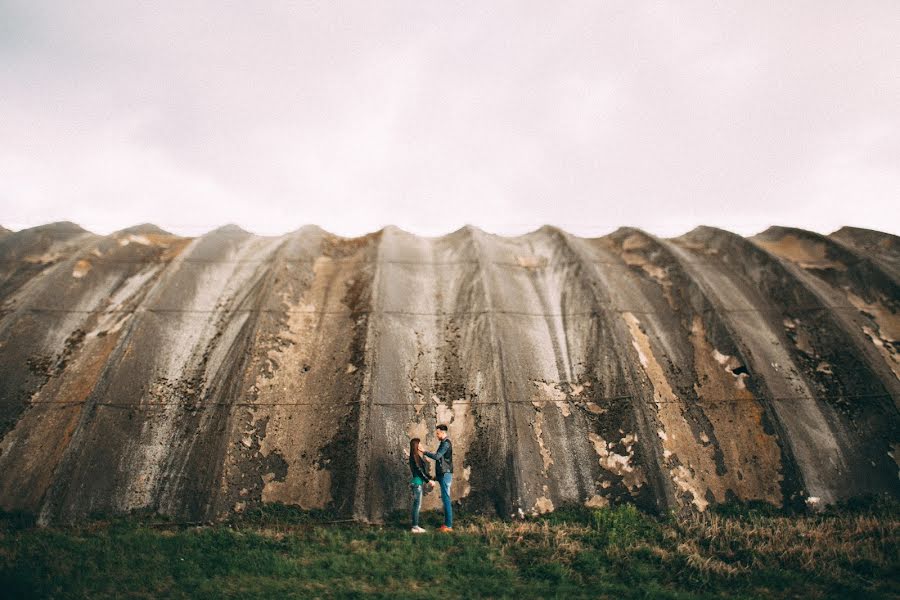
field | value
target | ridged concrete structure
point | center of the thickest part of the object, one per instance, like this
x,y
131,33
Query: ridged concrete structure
x,y
196,377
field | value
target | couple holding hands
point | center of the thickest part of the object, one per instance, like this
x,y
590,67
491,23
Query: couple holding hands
x,y
421,476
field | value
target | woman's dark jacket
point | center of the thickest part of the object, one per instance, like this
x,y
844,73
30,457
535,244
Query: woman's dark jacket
x,y
417,471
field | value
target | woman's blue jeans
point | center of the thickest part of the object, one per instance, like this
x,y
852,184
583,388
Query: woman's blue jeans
x,y
446,480
417,503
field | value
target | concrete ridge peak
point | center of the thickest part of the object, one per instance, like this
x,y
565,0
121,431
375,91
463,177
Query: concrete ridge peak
x,y
850,229
230,228
774,231
57,226
144,228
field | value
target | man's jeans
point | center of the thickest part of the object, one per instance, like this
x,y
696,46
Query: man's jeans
x,y
417,503
445,481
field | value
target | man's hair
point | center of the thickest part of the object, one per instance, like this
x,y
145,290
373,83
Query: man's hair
x,y
442,427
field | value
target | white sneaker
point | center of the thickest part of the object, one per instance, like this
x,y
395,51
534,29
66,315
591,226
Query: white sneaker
x,y
417,529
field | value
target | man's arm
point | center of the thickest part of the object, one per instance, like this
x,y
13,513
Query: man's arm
x,y
442,449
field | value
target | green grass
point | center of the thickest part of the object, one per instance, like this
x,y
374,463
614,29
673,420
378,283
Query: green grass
x,y
278,552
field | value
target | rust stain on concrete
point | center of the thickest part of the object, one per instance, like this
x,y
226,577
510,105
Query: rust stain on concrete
x,y
691,462
751,457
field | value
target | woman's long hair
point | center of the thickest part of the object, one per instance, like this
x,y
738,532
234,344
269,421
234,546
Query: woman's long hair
x,y
414,452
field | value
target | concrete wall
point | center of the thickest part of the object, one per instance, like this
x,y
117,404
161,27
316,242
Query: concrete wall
x,y
195,377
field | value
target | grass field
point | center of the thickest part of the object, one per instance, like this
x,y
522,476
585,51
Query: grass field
x,y
617,553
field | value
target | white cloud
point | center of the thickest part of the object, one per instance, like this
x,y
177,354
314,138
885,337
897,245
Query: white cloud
x,y
506,115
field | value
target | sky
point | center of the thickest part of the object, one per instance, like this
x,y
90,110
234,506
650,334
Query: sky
x,y
432,115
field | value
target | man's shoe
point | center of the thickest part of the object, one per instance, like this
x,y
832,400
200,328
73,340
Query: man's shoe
x,y
445,529
417,529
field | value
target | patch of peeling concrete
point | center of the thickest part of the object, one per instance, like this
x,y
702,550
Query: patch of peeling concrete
x,y
691,463
807,253
294,369
621,465
885,336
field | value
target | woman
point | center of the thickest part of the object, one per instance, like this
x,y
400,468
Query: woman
x,y
421,476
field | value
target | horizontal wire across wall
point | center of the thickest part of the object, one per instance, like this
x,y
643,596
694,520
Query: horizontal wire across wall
x,y
350,312
476,403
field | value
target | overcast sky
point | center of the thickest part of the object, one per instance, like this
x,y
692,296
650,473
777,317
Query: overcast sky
x,y
430,115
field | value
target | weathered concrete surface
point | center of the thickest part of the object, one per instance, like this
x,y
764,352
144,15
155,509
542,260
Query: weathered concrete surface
x,y
195,377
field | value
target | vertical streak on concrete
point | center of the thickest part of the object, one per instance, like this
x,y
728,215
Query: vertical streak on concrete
x,y
554,315
54,504
190,488
508,434
362,509
640,401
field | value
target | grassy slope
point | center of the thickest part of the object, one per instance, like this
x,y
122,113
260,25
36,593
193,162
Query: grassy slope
x,y
617,553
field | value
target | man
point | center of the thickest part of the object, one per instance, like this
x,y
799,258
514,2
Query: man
x,y
443,460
